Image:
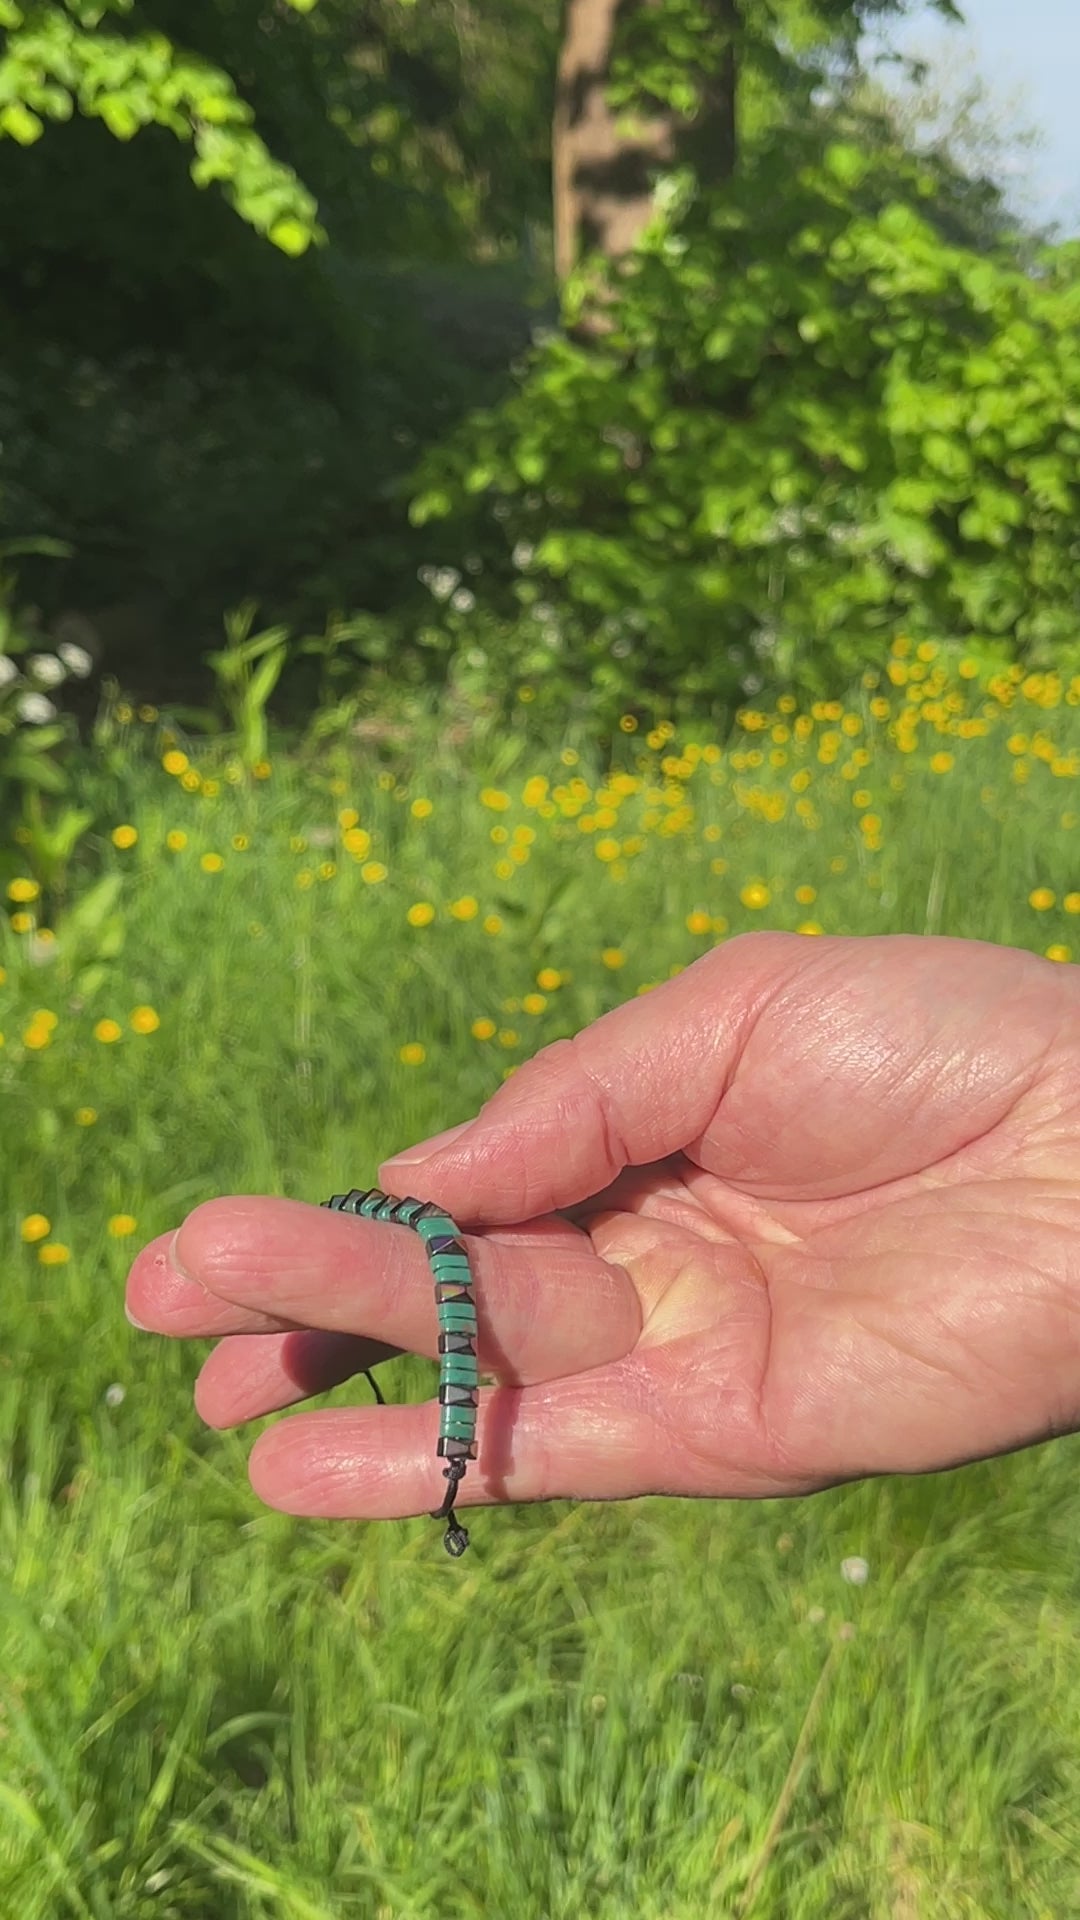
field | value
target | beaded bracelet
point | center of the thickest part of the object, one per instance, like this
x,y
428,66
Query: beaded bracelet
x,y
459,1377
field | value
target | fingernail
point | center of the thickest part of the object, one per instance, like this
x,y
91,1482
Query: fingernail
x,y
427,1149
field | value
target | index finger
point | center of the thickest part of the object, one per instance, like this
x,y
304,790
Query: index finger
x,y
547,1305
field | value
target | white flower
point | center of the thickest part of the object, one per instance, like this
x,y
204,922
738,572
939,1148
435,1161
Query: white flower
x,y
46,669
522,554
39,952
463,601
8,670
439,581
34,709
76,659
855,1570
115,1394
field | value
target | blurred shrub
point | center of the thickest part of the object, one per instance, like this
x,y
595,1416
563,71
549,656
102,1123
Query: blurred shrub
x,y
813,423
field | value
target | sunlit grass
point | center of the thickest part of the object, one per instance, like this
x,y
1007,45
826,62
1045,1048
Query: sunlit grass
x,y
211,1710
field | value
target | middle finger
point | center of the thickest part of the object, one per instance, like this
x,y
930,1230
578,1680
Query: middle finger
x,y
547,1305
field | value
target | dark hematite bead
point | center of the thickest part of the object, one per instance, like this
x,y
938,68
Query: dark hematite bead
x,y
454,1341
446,1243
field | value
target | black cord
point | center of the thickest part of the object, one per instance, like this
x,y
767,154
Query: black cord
x,y
456,1537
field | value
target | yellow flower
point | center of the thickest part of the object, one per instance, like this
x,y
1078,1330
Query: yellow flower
x,y
534,790
421,914
125,714
413,1054
356,840
175,761
145,1020
304,879
755,894
373,871
338,787
297,844
806,896
607,849
482,1029
466,908
549,978
262,770
107,1030
508,1038
1041,899
3,975
190,781
36,1038
420,809
211,788
494,798
941,762
1058,953
85,1116
627,723
493,923
613,957
121,1225
570,756
35,1227
54,1254
176,841
698,922
808,926
124,836
211,862
240,843
1071,903
504,870
534,1003
148,715
348,818
23,891
41,1017
862,797
327,870
499,836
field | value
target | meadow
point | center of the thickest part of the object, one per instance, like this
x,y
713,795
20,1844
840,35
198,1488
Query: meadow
x,y
861,1705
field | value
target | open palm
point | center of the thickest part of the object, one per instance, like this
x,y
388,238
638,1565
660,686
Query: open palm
x,y
810,1211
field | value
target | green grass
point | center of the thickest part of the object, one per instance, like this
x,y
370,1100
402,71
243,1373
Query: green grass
x,y
216,1712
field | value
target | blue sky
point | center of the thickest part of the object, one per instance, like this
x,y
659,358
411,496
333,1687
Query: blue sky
x,y
1028,52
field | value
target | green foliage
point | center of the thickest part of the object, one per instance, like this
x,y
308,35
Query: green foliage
x,y
247,670
57,60
35,738
202,417
814,423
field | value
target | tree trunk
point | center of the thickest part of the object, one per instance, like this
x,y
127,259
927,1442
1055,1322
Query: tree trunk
x,y
600,177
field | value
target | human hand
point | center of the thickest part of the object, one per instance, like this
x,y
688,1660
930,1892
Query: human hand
x,y
808,1212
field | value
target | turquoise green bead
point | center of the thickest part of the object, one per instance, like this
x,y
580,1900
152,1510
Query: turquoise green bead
x,y
461,1371
458,1423
436,1228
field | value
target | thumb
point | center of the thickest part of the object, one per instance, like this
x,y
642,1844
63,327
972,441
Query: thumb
x,y
642,1082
